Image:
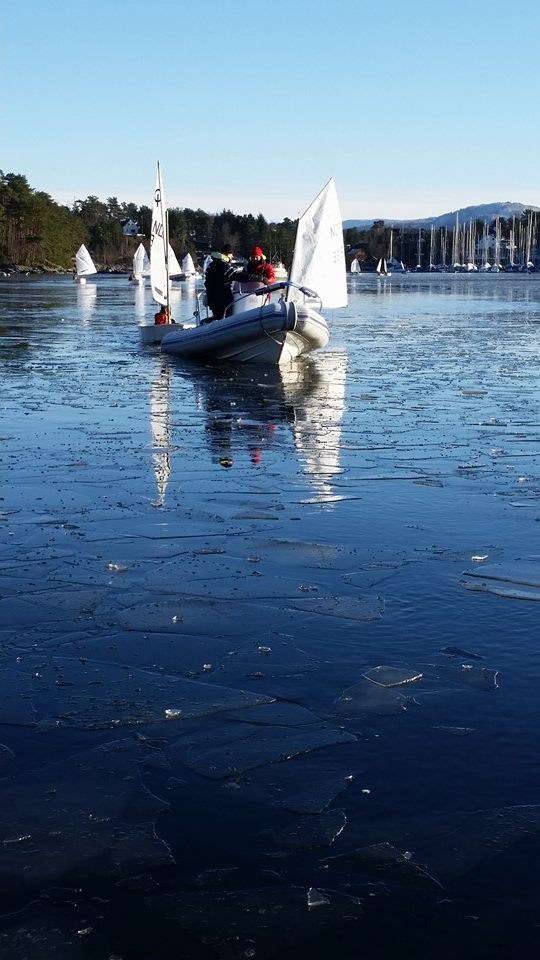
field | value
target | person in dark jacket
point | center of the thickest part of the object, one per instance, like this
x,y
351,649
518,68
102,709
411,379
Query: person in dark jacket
x,y
218,281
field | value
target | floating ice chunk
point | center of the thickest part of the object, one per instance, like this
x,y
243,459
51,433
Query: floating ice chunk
x,y
310,832
501,580
483,678
382,858
315,898
456,731
92,695
479,836
458,652
348,608
68,820
266,921
367,698
316,797
521,572
276,745
392,676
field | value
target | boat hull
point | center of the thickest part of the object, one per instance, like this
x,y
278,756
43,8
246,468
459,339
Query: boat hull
x,y
154,332
275,333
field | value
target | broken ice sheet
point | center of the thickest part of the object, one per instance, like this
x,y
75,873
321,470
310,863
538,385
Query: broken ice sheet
x,y
366,698
269,745
381,859
66,819
458,652
317,796
271,655
183,615
479,836
306,833
94,695
47,928
392,676
518,581
348,608
275,714
257,923
482,678
164,653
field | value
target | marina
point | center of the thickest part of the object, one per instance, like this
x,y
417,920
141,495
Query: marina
x,y
269,634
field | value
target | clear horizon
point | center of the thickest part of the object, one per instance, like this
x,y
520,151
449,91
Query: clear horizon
x,y
415,113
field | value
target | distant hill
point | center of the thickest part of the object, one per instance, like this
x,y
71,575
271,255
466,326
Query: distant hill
x,y
484,211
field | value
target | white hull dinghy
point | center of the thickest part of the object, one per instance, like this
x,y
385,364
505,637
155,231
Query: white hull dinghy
x,y
260,329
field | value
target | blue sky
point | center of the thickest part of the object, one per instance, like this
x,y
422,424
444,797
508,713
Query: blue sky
x,y
415,108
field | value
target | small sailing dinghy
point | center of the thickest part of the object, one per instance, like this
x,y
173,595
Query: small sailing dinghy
x,y
188,268
163,264
141,266
274,324
84,265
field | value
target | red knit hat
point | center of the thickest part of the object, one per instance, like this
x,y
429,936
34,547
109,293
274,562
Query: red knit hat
x,y
257,252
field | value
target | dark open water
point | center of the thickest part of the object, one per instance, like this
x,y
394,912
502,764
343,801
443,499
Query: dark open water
x,y
201,571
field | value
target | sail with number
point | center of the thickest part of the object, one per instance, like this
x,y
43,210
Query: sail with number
x,y
84,263
159,246
319,256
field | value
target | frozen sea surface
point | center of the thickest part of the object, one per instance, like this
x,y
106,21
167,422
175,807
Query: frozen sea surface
x,y
269,650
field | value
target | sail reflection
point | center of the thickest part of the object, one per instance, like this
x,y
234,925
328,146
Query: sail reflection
x,y
159,425
86,301
318,423
245,407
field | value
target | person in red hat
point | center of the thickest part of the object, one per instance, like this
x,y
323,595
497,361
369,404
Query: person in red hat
x,y
258,268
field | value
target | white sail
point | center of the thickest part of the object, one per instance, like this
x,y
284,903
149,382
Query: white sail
x,y
141,263
84,263
159,273
319,257
355,266
174,267
188,267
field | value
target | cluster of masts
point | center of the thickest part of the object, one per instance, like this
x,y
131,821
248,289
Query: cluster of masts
x,y
466,248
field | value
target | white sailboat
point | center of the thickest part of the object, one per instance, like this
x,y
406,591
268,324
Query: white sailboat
x,y
162,264
84,265
188,268
355,265
274,324
141,266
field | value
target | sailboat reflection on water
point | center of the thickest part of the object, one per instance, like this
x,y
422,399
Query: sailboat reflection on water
x,y
161,438
246,413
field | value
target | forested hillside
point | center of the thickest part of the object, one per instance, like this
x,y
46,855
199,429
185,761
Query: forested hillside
x,y
38,233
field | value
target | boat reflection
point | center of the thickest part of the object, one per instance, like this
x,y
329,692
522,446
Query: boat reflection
x,y
160,429
245,407
86,301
